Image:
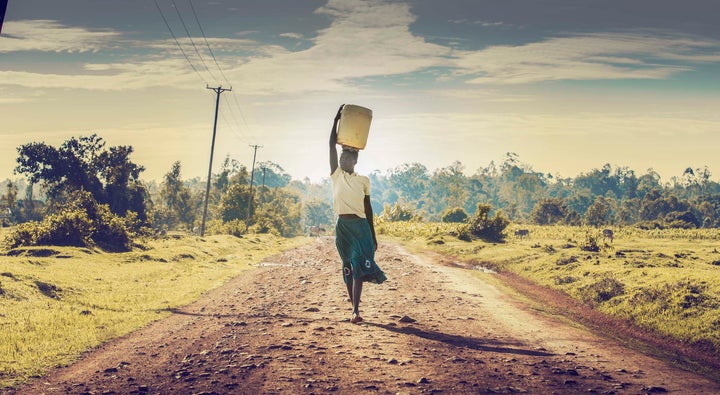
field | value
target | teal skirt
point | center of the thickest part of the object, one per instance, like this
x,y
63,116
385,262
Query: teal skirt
x,y
356,247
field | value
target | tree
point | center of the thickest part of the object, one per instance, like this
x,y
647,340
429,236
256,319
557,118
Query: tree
x,y
455,215
8,203
409,181
484,227
600,212
549,211
84,164
177,199
656,207
271,175
317,212
121,179
277,211
234,202
447,188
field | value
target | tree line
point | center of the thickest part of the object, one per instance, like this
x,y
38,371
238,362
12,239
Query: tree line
x,y
606,196
85,185
84,193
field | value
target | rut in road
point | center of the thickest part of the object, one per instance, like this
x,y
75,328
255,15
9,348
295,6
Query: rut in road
x,y
283,328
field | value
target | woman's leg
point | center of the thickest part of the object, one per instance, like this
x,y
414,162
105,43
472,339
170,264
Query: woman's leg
x,y
357,291
349,284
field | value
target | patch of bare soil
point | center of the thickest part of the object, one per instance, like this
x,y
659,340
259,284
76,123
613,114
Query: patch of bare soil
x,y
431,328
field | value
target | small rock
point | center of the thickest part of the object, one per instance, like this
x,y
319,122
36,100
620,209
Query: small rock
x,y
407,319
392,361
312,310
654,389
423,380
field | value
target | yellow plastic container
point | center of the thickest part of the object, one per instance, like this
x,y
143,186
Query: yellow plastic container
x,y
354,126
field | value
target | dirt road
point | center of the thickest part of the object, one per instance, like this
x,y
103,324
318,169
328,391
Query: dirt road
x,y
431,328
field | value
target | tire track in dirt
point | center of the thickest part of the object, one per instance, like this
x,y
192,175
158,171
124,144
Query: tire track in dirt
x,y
284,329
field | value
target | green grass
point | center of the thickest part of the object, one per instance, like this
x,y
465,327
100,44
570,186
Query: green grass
x,y
56,302
666,281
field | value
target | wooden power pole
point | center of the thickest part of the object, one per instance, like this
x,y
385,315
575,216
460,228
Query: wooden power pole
x,y
252,176
218,91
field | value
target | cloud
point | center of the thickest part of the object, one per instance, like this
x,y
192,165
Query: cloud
x,y
365,39
296,36
652,55
51,36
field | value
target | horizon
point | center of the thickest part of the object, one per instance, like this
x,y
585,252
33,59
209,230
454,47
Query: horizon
x,y
567,87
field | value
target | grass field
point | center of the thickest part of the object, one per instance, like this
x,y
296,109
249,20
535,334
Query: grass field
x,y
665,281
56,302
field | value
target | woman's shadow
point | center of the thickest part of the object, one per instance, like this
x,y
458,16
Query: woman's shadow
x,y
463,341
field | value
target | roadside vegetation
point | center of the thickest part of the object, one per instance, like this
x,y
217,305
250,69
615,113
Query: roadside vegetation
x,y
664,281
58,302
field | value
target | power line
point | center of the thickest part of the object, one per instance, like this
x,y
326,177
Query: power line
x,y
187,31
178,42
237,106
197,20
234,126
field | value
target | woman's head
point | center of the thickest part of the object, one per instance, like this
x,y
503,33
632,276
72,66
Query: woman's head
x,y
348,159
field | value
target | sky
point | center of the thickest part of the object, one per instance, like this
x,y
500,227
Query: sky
x,y
567,85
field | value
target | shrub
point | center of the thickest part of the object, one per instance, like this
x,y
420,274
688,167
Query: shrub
x,y
483,227
81,222
397,213
235,227
602,291
66,228
22,235
112,232
455,215
590,243
264,225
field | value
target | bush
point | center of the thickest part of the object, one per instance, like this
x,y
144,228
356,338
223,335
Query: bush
x,y
67,228
602,291
112,232
235,228
22,235
455,215
590,243
483,227
80,223
264,225
397,213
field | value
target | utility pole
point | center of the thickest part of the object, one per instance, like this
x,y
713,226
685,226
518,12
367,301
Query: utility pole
x,y
218,91
252,175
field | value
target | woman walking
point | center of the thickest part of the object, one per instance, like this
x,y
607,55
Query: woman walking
x,y
354,233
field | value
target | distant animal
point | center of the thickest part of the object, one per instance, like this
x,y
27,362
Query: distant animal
x,y
608,234
522,233
315,231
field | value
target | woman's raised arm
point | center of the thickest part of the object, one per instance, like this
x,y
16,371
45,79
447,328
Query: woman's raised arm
x,y
333,142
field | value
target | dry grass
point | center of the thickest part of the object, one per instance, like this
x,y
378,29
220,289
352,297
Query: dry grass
x,y
56,302
665,282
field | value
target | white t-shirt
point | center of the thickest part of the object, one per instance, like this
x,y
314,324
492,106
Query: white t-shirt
x,y
349,191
